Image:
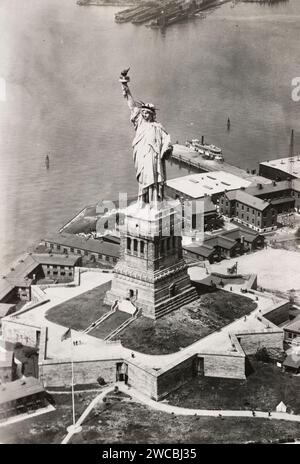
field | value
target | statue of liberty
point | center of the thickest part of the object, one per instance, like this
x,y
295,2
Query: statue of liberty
x,y
151,146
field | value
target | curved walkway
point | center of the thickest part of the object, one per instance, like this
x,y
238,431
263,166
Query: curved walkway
x,y
167,408
86,412
92,348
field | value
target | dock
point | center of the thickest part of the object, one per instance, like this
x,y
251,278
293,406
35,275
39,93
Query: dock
x,y
163,13
190,159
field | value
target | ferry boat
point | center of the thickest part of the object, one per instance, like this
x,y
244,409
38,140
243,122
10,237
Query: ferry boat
x,y
195,143
214,149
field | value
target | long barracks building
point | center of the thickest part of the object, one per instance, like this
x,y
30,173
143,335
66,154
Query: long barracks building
x,y
94,249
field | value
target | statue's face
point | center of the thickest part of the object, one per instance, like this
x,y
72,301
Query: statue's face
x,y
147,115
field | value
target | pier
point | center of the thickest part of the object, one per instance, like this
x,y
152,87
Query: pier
x,y
161,14
190,159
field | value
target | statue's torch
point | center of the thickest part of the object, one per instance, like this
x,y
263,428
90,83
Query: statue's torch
x,y
124,79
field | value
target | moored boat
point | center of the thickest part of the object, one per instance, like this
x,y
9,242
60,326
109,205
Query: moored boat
x,y
214,149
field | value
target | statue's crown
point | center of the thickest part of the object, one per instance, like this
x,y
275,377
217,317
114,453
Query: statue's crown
x,y
149,106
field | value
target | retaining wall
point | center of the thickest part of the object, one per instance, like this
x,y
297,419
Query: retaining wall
x,y
253,341
14,331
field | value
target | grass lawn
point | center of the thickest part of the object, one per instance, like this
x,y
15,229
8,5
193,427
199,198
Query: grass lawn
x,y
82,225
49,427
110,324
186,325
128,422
262,390
134,423
79,312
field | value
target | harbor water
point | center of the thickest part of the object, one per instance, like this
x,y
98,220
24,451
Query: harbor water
x,y
61,64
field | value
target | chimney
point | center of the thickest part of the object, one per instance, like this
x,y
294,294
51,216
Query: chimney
x,y
260,187
202,140
274,182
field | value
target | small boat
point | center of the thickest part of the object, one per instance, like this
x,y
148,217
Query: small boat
x,y
47,161
214,149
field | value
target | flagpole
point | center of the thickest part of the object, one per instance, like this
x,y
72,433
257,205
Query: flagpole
x,y
72,384
72,428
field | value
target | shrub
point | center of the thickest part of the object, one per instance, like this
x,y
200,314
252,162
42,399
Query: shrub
x,y
101,381
262,354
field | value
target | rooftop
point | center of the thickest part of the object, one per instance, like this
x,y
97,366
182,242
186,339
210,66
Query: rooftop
x,y
208,246
292,361
290,165
58,259
202,250
279,201
27,264
21,269
247,199
5,287
225,239
4,308
263,189
238,233
294,325
199,185
82,243
220,240
19,389
6,358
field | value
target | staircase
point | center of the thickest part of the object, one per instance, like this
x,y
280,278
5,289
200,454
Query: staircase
x,y
95,324
176,302
122,326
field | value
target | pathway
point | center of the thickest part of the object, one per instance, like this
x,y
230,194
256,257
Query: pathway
x,y
91,347
169,409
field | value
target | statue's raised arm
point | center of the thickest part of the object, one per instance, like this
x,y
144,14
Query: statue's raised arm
x,y
124,79
151,146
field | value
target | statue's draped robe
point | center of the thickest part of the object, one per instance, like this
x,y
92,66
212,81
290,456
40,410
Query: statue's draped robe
x,y
149,146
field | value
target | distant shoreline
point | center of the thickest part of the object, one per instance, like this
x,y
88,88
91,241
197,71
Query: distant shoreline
x,y
129,3
107,3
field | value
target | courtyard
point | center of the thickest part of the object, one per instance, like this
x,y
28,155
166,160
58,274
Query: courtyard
x,y
277,269
136,423
263,390
81,311
185,326
131,422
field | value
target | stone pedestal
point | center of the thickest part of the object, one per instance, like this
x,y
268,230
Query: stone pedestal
x,y
151,271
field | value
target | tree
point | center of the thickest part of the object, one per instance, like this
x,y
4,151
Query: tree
x,y
262,354
101,381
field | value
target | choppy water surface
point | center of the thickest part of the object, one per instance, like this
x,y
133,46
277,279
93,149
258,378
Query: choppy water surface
x,y
61,63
